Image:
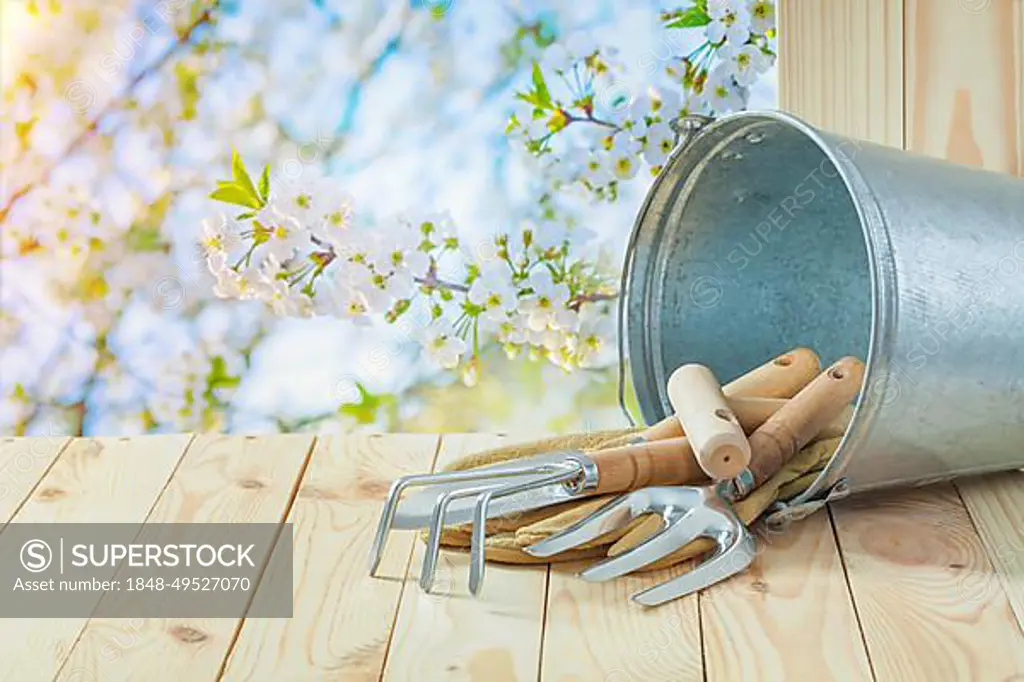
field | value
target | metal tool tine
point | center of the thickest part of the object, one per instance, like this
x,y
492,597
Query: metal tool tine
x,y
678,533
433,551
612,516
387,517
477,553
722,565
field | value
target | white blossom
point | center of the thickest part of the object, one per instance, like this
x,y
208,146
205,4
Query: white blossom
x,y
745,64
722,93
493,291
762,16
624,157
545,300
283,233
443,346
219,236
597,169
730,22
659,142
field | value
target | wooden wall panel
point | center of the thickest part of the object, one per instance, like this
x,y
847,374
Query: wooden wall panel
x,y
841,66
962,81
1019,43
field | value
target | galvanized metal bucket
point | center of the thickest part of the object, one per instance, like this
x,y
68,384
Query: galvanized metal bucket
x,y
763,233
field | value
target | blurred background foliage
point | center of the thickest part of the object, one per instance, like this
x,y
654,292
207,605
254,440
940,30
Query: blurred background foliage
x,y
117,117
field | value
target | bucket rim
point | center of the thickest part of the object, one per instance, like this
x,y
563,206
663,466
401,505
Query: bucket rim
x,y
881,271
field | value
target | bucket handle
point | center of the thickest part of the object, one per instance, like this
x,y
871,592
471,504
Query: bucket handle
x,y
686,129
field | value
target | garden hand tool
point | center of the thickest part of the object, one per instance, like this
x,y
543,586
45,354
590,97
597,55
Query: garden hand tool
x,y
506,540
688,513
504,543
718,440
556,477
793,479
780,377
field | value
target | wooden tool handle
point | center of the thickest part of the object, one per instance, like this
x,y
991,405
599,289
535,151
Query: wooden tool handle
x,y
780,377
660,462
752,412
670,461
715,434
809,412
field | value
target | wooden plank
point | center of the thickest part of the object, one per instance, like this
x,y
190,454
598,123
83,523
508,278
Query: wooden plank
x,y
452,635
23,462
595,632
95,480
1018,40
841,66
221,479
996,505
342,618
911,557
962,85
789,617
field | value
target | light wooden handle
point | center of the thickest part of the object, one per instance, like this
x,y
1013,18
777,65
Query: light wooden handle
x,y
752,412
780,377
801,419
660,462
715,434
669,461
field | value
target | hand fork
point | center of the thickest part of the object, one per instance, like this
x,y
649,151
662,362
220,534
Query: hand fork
x,y
688,513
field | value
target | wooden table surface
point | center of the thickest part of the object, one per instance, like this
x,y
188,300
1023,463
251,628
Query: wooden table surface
x,y
917,585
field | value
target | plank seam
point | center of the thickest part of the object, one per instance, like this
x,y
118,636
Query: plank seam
x,y
904,46
405,575
282,519
849,591
985,551
700,637
149,512
32,490
544,622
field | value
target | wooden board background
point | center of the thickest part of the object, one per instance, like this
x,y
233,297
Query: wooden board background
x,y
936,575
939,77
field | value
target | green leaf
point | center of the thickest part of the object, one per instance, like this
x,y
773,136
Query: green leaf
x,y
540,87
219,377
235,195
265,183
241,176
692,18
530,98
366,409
